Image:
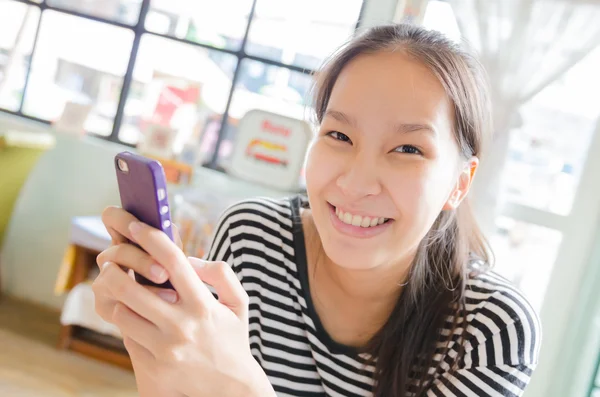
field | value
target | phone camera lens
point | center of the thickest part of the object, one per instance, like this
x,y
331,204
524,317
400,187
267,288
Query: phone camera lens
x,y
123,167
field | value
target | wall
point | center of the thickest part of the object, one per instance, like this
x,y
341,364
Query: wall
x,y
75,178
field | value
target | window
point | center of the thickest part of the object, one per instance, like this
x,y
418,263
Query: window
x,y
194,67
85,68
18,22
548,151
544,169
124,11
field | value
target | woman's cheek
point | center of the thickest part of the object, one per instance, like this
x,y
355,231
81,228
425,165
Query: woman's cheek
x,y
408,185
321,164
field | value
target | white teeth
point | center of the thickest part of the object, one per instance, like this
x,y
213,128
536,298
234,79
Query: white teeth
x,y
366,222
347,218
357,220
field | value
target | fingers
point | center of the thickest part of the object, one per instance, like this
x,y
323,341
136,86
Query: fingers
x,y
132,257
137,352
137,297
165,252
134,326
166,294
117,220
226,284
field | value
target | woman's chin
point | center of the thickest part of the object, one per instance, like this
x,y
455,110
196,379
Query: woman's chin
x,y
350,258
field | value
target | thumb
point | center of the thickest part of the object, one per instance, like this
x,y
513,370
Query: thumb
x,y
222,278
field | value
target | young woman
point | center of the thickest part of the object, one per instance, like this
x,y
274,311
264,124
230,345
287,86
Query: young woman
x,y
376,284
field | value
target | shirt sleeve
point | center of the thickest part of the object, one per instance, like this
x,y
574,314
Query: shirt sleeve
x,y
501,365
220,247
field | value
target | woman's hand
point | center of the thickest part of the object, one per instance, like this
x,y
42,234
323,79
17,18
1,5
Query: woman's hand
x,y
188,340
117,222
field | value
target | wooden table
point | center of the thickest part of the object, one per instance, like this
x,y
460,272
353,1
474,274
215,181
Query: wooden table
x,y
79,262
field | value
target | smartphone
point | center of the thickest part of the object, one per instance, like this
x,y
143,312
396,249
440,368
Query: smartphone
x,y
143,189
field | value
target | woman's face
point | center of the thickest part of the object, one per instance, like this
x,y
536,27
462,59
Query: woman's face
x,y
384,163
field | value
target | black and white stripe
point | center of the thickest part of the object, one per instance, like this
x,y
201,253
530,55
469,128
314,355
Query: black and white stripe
x,y
262,240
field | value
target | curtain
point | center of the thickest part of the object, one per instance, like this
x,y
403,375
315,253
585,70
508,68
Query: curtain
x,y
525,45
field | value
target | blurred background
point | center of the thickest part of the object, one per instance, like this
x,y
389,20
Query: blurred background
x,y
81,80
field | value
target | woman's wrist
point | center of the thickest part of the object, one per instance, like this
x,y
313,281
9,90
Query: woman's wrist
x,y
257,384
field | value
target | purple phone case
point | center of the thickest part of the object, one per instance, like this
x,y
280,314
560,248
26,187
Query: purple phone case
x,y
140,190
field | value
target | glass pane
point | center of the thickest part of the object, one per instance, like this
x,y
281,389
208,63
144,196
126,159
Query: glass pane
x,y
179,87
525,254
548,151
124,11
18,22
86,68
293,33
266,87
439,16
220,24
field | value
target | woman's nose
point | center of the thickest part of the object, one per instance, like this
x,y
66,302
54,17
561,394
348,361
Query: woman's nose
x,y
359,179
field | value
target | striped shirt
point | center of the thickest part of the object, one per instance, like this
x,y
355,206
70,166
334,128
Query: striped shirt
x,y
262,239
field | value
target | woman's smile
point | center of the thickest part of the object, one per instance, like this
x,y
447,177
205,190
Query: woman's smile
x,y
357,225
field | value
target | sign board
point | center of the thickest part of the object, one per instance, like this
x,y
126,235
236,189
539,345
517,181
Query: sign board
x,y
270,149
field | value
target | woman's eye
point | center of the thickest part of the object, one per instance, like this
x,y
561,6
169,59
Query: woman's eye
x,y
338,136
408,149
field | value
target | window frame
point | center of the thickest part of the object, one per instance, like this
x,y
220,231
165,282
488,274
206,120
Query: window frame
x,y
139,30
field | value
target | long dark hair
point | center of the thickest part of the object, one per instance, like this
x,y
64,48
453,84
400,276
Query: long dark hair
x,y
405,349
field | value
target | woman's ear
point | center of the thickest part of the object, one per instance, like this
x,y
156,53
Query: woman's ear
x,y
463,184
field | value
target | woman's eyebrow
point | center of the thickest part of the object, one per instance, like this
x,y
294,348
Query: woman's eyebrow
x,y
341,117
410,127
400,127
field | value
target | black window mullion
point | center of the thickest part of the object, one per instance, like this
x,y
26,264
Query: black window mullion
x,y
225,118
280,64
193,43
127,79
25,116
31,3
239,54
28,71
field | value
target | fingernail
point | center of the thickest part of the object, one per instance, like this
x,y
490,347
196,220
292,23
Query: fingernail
x,y
197,262
135,227
158,272
168,295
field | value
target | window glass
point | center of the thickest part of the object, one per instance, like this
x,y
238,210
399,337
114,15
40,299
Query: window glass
x,y
525,254
178,87
548,151
304,36
220,24
18,23
86,69
265,87
124,11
